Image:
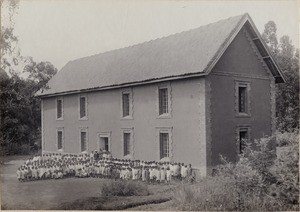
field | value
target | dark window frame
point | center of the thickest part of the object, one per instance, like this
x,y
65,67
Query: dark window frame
x,y
83,142
163,101
243,99
59,108
127,143
243,137
125,104
60,139
83,107
164,144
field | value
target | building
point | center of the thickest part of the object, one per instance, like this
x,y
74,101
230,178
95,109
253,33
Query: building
x,y
188,97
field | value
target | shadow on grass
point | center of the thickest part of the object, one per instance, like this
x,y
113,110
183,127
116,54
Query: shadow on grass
x,y
112,203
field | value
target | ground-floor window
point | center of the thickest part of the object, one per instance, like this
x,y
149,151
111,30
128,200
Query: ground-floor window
x,y
105,141
126,143
164,139
83,140
60,139
164,144
243,138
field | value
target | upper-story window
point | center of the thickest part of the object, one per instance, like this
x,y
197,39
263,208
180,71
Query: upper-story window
x,y
125,100
164,100
83,107
126,104
242,98
59,108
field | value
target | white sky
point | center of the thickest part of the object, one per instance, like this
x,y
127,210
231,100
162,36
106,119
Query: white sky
x,y
62,30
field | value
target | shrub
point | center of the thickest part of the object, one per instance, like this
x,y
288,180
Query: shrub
x,y
124,188
224,191
287,138
286,171
258,181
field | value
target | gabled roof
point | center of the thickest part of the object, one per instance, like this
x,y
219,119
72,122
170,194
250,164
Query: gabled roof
x,y
181,55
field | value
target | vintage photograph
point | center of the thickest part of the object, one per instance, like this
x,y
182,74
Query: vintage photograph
x,y
149,105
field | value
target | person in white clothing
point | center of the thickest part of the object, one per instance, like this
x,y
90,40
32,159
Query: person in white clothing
x,y
168,175
162,174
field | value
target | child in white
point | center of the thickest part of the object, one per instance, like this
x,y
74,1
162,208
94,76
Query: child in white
x,y
168,175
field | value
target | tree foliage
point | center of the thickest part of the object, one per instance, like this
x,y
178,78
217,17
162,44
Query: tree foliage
x,y
287,94
270,37
19,108
40,72
10,53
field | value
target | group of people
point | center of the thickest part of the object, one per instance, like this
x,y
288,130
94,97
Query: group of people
x,y
57,166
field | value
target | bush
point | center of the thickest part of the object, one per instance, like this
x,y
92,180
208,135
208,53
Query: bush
x,y
286,171
287,138
124,188
258,181
224,191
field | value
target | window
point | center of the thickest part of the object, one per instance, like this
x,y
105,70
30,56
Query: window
x,y
164,145
60,139
163,101
83,141
59,108
243,138
126,144
82,107
125,101
104,141
242,99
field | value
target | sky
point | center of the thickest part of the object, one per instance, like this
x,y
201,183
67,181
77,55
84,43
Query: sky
x,y
62,30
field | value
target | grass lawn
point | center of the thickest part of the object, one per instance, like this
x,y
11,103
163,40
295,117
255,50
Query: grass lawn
x,y
71,193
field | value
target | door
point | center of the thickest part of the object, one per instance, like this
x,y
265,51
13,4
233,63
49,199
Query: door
x,y
103,142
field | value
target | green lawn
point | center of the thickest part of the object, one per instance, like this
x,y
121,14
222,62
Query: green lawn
x,y
71,193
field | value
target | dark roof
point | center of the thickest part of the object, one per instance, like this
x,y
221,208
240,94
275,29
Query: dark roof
x,y
178,55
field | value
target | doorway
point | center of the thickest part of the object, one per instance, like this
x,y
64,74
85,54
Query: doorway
x,y
104,141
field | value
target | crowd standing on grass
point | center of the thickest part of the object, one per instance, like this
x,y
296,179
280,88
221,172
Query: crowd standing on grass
x,y
101,165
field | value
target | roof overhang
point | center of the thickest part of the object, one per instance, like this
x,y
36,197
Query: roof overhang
x,y
150,81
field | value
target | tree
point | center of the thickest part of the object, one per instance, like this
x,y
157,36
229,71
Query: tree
x,y
40,72
10,54
270,37
287,94
19,108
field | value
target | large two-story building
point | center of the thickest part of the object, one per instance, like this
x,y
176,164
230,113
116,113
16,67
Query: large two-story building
x,y
188,97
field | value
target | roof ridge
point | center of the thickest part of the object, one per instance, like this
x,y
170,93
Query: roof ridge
x,y
155,39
